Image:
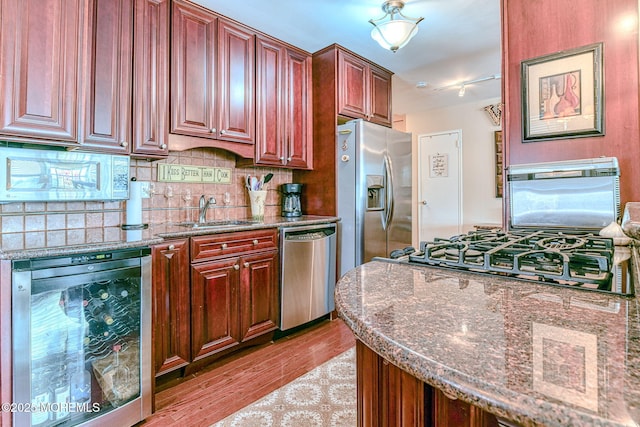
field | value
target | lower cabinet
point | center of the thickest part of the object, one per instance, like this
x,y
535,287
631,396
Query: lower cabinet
x,y
212,295
171,306
388,396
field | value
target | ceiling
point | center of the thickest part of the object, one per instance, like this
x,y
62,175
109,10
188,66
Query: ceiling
x,y
458,40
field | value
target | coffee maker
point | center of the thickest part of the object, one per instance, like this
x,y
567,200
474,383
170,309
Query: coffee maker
x,y
291,200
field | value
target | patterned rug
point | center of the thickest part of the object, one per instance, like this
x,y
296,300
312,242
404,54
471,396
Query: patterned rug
x,y
323,397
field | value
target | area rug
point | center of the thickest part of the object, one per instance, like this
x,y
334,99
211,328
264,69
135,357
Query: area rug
x,y
323,397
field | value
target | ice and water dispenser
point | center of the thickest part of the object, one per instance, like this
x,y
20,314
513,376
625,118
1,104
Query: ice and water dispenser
x,y
375,192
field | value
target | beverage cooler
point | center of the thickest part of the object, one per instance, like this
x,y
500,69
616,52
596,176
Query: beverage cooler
x,y
81,339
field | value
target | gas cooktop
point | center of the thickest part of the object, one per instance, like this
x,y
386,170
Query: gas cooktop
x,y
583,261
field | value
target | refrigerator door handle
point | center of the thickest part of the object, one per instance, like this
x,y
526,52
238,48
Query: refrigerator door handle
x,y
388,169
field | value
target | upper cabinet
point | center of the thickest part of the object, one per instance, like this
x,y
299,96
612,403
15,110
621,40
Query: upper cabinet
x,y
150,115
106,82
283,98
364,89
212,80
39,84
68,74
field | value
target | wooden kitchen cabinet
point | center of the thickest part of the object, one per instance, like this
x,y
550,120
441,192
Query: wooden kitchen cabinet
x,y
39,87
106,78
388,396
283,99
213,294
77,89
364,89
150,113
234,290
212,79
171,306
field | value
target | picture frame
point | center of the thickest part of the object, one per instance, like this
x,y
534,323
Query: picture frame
x,y
497,137
563,95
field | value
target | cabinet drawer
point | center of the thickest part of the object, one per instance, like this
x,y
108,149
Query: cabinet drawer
x,y
221,245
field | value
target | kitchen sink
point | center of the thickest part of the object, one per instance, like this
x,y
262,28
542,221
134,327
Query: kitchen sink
x,y
214,224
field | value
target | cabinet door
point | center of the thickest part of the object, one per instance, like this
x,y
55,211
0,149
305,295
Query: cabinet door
x,y
380,96
214,307
150,125
39,68
171,306
259,295
297,106
456,413
353,86
269,124
193,50
106,95
386,395
236,74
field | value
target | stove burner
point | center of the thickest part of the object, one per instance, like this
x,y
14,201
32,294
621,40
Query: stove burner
x,y
583,261
562,242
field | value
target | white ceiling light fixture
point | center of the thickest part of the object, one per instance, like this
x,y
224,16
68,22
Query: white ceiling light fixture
x,y
394,30
461,92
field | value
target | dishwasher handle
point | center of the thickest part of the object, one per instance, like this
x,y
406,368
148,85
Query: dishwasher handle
x,y
309,235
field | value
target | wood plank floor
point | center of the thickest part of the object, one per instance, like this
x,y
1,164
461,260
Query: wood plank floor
x,y
231,384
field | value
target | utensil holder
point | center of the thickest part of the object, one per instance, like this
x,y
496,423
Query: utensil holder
x,y
257,199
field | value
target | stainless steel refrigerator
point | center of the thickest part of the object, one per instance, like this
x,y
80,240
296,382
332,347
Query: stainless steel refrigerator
x,y
374,192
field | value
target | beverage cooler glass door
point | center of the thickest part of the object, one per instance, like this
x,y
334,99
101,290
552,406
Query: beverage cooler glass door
x,y
81,334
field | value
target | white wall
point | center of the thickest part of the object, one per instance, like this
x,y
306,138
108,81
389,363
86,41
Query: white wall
x,y
480,206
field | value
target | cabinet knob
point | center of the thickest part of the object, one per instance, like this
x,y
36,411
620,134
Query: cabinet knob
x,y
222,132
236,267
281,158
124,144
246,265
224,246
171,247
213,130
255,242
163,146
288,159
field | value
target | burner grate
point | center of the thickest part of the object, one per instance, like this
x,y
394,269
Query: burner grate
x,y
584,260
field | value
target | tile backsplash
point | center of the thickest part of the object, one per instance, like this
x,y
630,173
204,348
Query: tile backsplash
x,y
44,224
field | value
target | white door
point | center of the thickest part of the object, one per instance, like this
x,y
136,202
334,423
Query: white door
x,y
439,185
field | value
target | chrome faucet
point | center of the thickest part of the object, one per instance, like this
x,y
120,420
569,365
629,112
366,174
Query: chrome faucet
x,y
204,205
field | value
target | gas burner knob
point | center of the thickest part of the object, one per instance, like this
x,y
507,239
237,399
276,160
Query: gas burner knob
x,y
395,254
409,250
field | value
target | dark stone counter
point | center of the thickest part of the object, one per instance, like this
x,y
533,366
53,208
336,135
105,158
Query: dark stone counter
x,y
156,233
529,353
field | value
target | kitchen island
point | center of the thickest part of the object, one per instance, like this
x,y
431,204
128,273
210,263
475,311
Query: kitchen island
x,y
512,351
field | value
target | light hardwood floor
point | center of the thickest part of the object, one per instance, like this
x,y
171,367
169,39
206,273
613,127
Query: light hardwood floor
x,y
231,384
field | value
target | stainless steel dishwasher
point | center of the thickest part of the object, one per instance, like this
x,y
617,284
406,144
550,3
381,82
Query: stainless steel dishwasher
x,y
308,273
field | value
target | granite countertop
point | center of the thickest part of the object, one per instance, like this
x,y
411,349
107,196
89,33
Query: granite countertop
x,y
157,233
529,353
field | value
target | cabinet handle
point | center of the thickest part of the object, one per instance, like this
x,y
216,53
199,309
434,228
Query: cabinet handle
x,y
163,146
288,159
281,158
222,132
236,267
213,130
171,247
255,242
224,246
246,265
124,144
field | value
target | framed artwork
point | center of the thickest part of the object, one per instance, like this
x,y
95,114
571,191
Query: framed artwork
x,y
499,162
563,95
